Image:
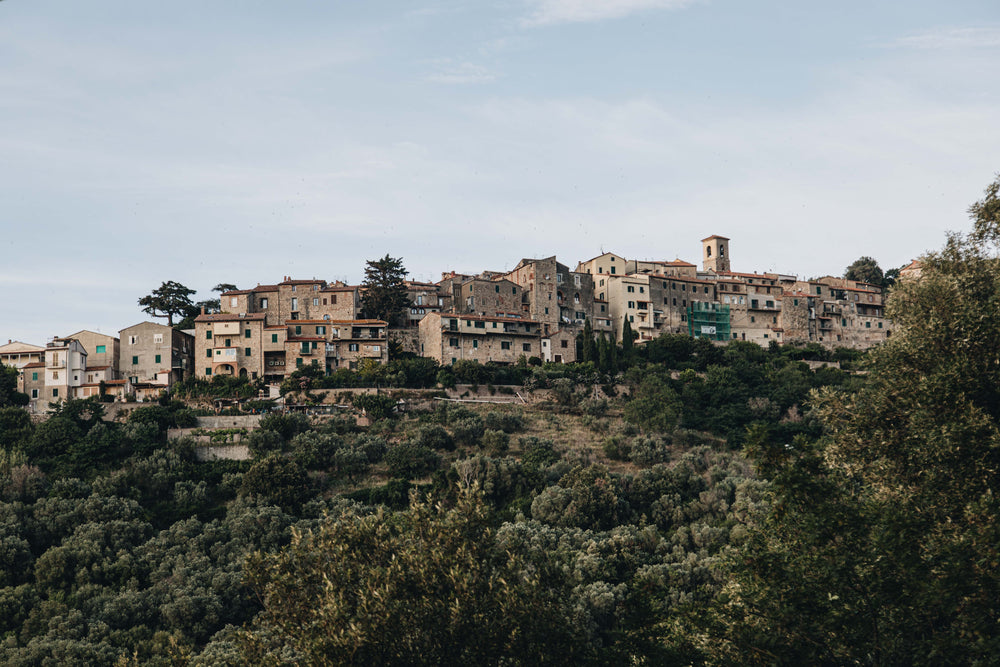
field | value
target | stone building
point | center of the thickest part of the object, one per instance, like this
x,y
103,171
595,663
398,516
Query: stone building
x,y
102,349
495,298
424,298
554,296
229,344
155,354
715,254
335,344
450,337
606,263
16,354
678,268
559,347
58,376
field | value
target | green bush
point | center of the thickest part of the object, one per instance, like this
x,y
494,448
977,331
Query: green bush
x,y
408,460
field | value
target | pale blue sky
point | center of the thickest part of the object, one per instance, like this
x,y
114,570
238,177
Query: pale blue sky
x,y
209,142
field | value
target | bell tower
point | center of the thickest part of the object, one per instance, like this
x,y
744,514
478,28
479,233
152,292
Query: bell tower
x,y
715,254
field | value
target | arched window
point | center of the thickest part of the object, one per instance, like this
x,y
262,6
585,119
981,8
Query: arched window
x,y
722,251
708,249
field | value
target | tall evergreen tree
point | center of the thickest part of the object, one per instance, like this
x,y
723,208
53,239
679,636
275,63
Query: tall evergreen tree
x,y
384,290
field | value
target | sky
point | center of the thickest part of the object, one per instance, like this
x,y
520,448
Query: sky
x,y
241,142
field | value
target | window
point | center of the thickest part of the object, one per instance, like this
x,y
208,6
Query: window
x,y
352,347
480,325
642,290
158,338
513,290
135,360
34,393
879,325
843,322
752,319
233,301
247,352
246,333
333,299
526,347
298,362
295,303
565,343
132,340
157,359
208,371
795,302
496,288
612,269
274,338
208,353
263,302
229,342
100,349
55,393
298,329
546,311
34,377
452,342
208,334
631,288
475,345
505,345
868,325
316,301
321,330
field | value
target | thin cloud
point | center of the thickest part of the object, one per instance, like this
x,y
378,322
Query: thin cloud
x,y
461,73
953,38
548,12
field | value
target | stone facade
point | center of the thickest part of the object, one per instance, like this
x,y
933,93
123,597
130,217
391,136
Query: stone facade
x,y
229,344
155,353
450,337
559,347
495,298
715,253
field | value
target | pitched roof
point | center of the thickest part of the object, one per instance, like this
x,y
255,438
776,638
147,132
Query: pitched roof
x,y
230,317
16,346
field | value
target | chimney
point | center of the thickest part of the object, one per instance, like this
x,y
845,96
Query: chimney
x,y
203,310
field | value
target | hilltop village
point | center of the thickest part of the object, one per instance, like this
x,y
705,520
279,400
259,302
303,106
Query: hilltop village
x,y
536,310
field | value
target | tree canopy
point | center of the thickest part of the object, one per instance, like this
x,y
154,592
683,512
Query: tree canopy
x,y
881,543
384,291
865,270
169,299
